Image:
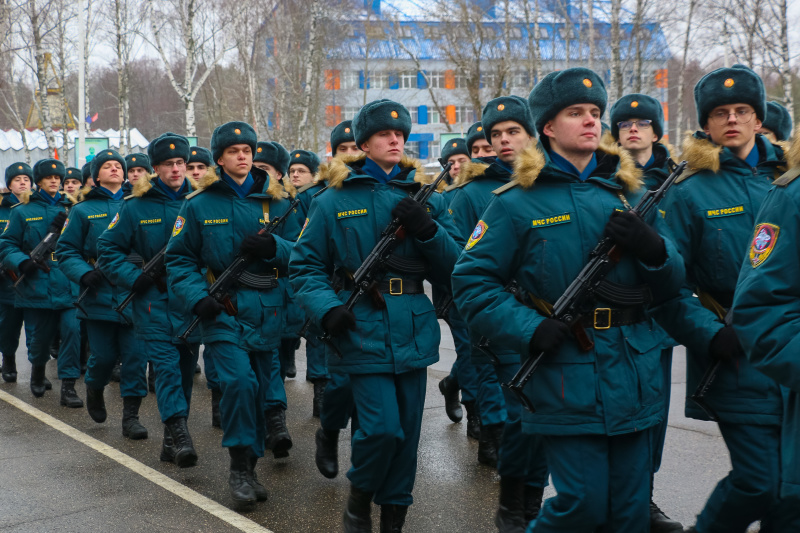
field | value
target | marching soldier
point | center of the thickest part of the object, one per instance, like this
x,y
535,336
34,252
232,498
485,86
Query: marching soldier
x,y
110,333
218,222
711,213
477,144
44,295
73,182
592,407
139,167
143,226
387,366
198,163
18,181
637,124
777,125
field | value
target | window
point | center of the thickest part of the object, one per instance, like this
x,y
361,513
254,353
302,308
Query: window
x,y
542,33
378,80
408,80
349,79
349,112
515,33
433,116
435,150
519,79
432,32
332,80
435,79
403,31
412,149
465,114
461,81
374,31
488,79
567,32
414,114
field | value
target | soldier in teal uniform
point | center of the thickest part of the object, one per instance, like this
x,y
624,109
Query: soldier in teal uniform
x,y
143,226
45,298
592,407
110,333
711,213
387,364
477,145
139,167
222,219
777,126
73,182
637,124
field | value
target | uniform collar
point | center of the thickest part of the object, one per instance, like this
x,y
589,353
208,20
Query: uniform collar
x,y
569,168
119,195
371,168
172,195
241,190
52,200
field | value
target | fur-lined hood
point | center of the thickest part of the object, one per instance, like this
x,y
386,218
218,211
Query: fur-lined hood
x,y
337,171
791,150
702,154
469,172
144,185
274,189
26,197
608,139
533,159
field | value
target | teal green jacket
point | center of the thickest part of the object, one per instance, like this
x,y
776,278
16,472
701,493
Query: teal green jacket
x,y
77,253
207,235
766,310
540,230
26,227
7,294
710,215
144,226
306,196
345,224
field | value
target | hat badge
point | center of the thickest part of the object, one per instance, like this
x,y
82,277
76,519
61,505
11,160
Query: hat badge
x,y
259,149
194,152
455,144
20,167
729,83
296,156
54,165
394,114
237,131
501,107
171,146
347,130
109,153
480,128
634,104
587,82
133,159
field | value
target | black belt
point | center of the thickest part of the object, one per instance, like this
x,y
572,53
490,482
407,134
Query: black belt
x,y
725,299
607,318
393,286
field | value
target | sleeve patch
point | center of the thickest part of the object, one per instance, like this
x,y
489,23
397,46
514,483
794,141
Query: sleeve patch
x,y
302,230
477,234
764,239
114,221
179,223
66,222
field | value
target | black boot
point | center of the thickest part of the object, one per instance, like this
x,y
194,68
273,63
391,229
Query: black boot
x,y
258,489
473,420
319,391
9,370
533,502
37,381
452,407
96,405
216,395
47,384
291,369
278,439
131,427
659,522
84,353
151,377
115,372
69,397
489,444
393,517
243,495
327,454
185,454
357,514
510,516
167,447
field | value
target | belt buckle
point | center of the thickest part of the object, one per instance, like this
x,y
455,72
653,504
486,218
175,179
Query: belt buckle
x,y
391,286
53,256
276,272
606,310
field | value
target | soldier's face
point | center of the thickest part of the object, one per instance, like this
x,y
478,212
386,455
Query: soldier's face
x,y
172,172
769,134
135,174
347,148
458,160
50,184
72,186
237,160
736,130
385,147
300,175
482,148
19,184
269,169
575,129
509,139
110,173
635,138
196,170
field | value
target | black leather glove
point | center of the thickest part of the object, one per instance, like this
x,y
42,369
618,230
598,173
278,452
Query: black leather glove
x,y
208,307
415,218
725,345
548,337
29,266
635,236
338,320
142,283
93,279
58,223
259,245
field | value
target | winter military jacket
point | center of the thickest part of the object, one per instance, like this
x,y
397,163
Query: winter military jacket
x,y
77,251
710,214
143,226
307,193
539,230
344,226
27,226
293,316
208,234
767,305
7,294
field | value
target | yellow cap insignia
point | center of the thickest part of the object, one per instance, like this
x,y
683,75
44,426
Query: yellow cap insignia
x,y
501,107
257,150
455,144
54,165
296,156
394,114
634,104
133,159
20,167
171,146
109,153
729,83
480,128
347,130
194,152
587,82
237,131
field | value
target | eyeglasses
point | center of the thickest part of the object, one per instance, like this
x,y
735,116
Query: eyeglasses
x,y
743,116
640,124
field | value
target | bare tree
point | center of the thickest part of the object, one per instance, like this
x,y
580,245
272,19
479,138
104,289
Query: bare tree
x,y
615,44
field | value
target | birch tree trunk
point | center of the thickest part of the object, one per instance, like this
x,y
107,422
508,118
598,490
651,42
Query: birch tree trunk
x,y
682,73
616,62
786,68
590,14
40,60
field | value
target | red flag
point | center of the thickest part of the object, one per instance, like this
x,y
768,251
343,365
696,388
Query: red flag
x,y
56,153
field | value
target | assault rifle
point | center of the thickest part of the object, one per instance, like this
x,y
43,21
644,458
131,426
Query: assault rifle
x,y
699,395
580,293
373,267
443,309
85,292
153,269
46,247
220,289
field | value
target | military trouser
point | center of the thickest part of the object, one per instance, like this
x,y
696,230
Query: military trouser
x,y
659,433
463,371
602,484
750,491
41,327
110,342
384,448
521,454
174,367
491,403
316,363
244,380
10,329
286,354
275,391
338,406
212,380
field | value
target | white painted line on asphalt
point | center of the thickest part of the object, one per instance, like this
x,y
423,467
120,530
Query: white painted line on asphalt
x,y
210,506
